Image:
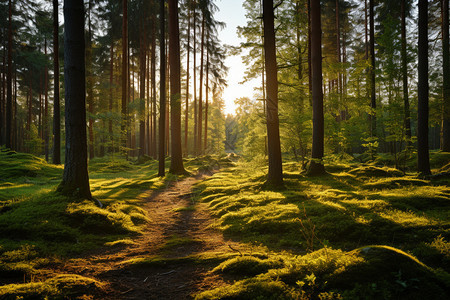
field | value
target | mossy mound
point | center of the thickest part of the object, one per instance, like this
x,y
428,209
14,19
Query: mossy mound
x,y
66,286
247,266
15,165
373,171
389,273
390,183
103,165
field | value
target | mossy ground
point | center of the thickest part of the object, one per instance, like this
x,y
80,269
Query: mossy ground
x,y
313,232
313,240
40,228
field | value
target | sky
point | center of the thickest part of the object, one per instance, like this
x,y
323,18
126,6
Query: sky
x,y
233,14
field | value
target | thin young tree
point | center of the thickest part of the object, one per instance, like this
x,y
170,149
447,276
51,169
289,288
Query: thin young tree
x,y
407,116
75,178
8,143
176,162
423,160
56,104
275,175
162,90
373,102
316,167
124,120
446,78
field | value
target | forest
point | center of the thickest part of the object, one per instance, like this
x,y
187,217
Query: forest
x,y
122,175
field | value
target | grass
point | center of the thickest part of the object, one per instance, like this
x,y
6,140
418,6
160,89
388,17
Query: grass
x,y
315,231
39,227
363,231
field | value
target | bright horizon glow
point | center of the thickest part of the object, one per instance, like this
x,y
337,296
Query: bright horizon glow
x,y
233,14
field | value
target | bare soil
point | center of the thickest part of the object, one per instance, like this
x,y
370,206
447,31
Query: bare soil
x,y
175,216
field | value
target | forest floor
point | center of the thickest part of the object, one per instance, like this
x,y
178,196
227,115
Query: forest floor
x,y
364,230
179,229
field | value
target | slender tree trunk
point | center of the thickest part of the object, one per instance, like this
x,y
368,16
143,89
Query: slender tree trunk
x,y
46,125
162,90
3,98
373,103
142,64
195,77
111,95
407,121
275,175
176,162
316,167
446,78
153,63
90,84
75,178
309,52
200,98
205,145
56,104
148,129
423,161
30,101
186,118
125,75
8,136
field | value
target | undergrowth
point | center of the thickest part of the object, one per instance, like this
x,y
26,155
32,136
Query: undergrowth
x,y
40,227
316,229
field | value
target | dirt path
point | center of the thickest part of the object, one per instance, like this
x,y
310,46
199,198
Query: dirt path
x,y
178,228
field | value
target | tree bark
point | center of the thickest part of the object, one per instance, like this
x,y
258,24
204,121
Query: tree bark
x,y
75,178
446,78
90,85
56,104
198,147
124,121
8,137
176,162
46,127
205,144
275,174
142,65
162,91
407,116
316,167
186,118
423,161
373,102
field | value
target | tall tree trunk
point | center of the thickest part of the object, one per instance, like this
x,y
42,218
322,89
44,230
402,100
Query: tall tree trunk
x,y
8,128
111,95
309,52
186,117
123,127
46,125
90,84
275,174
142,64
153,63
3,98
198,147
176,162
446,78
373,103
162,90
195,75
148,129
205,144
407,121
423,161
56,104
30,101
316,167
75,178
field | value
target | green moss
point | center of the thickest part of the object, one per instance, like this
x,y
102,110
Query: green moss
x,y
59,287
246,266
